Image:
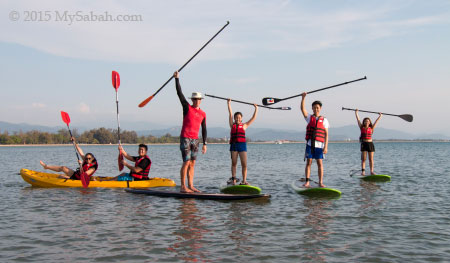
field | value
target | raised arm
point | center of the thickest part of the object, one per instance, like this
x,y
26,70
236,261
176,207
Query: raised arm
x,y
230,113
255,113
180,94
302,105
376,122
357,119
78,148
125,154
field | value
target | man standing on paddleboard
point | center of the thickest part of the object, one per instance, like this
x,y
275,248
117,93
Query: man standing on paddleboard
x,y
316,139
193,117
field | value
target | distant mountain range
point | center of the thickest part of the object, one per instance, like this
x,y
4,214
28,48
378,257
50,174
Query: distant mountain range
x,y
349,132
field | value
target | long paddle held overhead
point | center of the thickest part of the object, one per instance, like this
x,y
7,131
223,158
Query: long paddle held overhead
x,y
147,100
248,103
116,84
270,100
406,117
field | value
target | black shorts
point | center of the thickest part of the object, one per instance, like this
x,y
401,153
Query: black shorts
x,y
367,147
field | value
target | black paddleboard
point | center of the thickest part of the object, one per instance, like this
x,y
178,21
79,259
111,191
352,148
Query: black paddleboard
x,y
196,195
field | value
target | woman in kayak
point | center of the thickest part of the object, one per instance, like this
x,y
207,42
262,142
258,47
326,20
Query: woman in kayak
x,y
88,164
238,144
367,147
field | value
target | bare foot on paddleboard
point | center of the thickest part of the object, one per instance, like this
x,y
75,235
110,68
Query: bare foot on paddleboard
x,y
193,189
306,185
322,185
185,190
43,164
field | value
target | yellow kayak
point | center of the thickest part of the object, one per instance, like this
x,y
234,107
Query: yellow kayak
x,y
41,179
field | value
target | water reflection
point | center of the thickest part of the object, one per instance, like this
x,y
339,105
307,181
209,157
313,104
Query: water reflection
x,y
317,222
189,244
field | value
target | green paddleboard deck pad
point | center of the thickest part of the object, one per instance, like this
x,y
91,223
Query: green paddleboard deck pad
x,y
241,189
316,191
376,178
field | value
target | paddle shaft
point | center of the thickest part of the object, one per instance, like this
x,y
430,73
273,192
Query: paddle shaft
x,y
76,152
180,69
329,87
372,112
248,103
118,121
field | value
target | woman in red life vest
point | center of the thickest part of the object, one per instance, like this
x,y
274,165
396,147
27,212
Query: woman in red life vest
x,y
316,139
238,144
141,168
367,147
88,164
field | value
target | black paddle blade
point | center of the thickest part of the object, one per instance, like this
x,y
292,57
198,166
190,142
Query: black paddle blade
x,y
269,101
406,117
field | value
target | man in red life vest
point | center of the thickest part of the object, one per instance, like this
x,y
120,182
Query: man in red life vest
x,y
193,118
316,139
141,168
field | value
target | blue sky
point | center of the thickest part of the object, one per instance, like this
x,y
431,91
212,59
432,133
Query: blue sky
x,y
270,49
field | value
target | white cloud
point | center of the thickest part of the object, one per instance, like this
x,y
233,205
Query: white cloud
x,y
84,108
38,105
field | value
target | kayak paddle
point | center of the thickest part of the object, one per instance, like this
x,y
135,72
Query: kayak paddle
x,y
116,84
85,181
238,101
406,117
147,100
270,100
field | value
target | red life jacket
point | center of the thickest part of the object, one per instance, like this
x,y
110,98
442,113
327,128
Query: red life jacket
x,y
315,129
191,123
366,133
237,133
143,175
86,167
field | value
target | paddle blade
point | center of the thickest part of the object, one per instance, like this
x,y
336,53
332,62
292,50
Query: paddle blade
x,y
85,180
269,101
406,117
65,117
119,160
147,100
115,79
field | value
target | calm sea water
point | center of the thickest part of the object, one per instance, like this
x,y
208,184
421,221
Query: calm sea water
x,y
406,219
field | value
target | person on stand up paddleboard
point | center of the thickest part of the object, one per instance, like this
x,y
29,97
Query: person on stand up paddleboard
x,y
316,139
141,168
193,118
88,164
367,146
238,144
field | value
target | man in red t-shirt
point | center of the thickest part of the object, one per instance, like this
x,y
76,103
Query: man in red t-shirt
x,y
193,118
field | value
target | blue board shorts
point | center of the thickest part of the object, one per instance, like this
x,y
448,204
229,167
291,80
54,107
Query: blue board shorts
x,y
318,153
188,148
238,147
125,177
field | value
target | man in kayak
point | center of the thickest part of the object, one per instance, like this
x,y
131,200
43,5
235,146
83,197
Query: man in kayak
x,y
193,118
141,168
88,164
316,139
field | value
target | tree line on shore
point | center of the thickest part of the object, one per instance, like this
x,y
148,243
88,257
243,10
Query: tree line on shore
x,y
94,136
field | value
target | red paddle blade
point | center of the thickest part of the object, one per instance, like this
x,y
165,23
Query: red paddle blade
x,y
65,117
147,100
115,79
85,180
119,160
